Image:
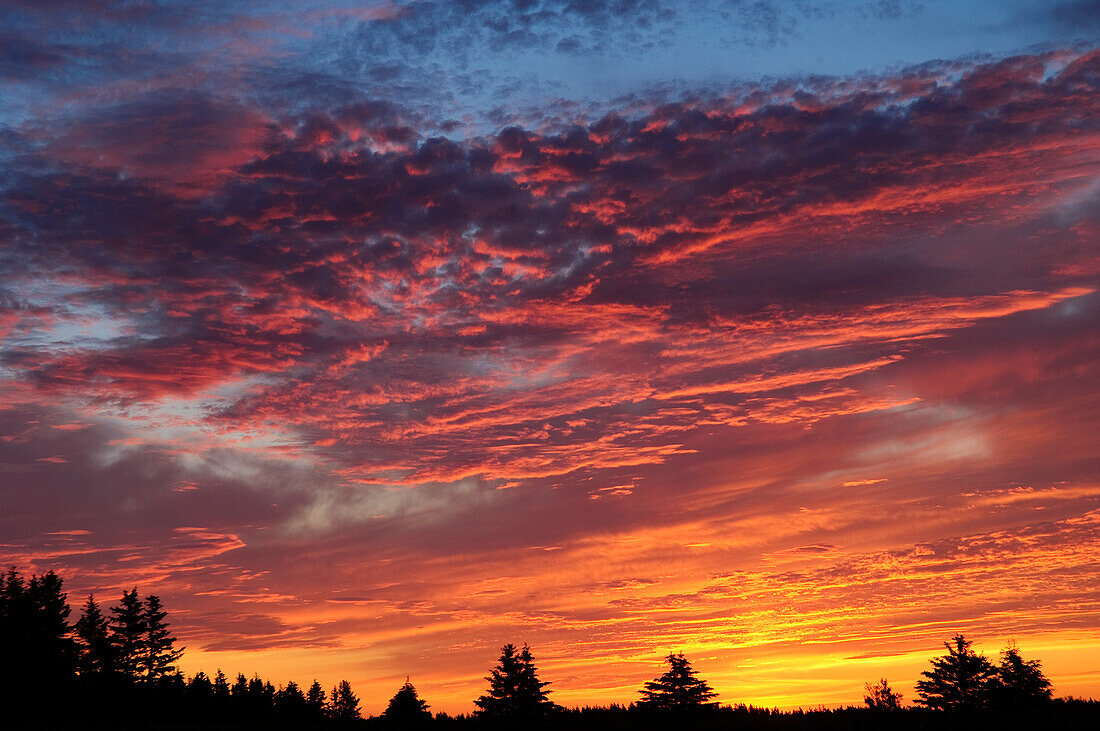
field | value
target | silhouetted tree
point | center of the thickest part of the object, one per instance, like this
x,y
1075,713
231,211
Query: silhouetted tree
x,y
678,689
514,687
47,634
315,699
51,635
1018,683
128,634
268,696
344,705
221,685
530,694
160,653
881,697
959,680
258,697
240,686
290,702
406,705
200,687
97,653
16,617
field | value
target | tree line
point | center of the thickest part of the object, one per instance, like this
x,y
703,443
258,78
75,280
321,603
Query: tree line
x,y
127,657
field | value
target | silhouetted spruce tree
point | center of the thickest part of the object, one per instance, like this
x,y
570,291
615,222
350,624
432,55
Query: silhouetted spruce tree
x,y
503,685
514,687
344,704
959,680
160,653
97,652
259,697
128,635
290,702
240,687
315,700
1019,683
16,616
678,689
221,685
200,688
406,706
54,655
881,697
530,694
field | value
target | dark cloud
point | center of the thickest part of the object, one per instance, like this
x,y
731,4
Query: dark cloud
x,y
1076,16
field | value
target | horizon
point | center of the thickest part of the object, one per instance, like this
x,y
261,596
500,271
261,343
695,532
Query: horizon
x,y
372,336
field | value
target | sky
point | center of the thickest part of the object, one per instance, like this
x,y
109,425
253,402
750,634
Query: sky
x,y
374,335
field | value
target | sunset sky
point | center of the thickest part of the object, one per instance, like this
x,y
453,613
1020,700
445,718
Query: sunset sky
x,y
374,335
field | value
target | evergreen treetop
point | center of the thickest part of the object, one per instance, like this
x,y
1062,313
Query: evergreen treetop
x,y
128,634
160,652
678,689
881,697
344,704
97,653
406,705
959,680
1019,683
514,687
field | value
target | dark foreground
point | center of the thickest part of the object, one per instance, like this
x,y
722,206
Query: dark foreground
x,y
1062,714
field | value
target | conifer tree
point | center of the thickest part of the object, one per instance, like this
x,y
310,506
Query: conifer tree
x,y
315,699
881,697
1019,683
221,685
678,689
97,653
160,652
290,702
514,687
16,616
200,686
406,705
344,704
128,635
959,680
49,631
240,686
530,694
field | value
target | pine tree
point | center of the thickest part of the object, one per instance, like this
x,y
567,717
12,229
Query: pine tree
x,y
531,698
260,695
959,680
1019,683
290,702
881,697
160,652
315,700
97,653
514,687
54,650
344,705
128,635
406,705
221,685
200,687
16,618
240,686
678,689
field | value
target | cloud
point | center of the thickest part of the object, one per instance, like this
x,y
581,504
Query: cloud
x,y
799,340
1078,16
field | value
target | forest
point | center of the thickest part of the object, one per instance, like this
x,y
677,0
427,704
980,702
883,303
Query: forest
x,y
118,668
